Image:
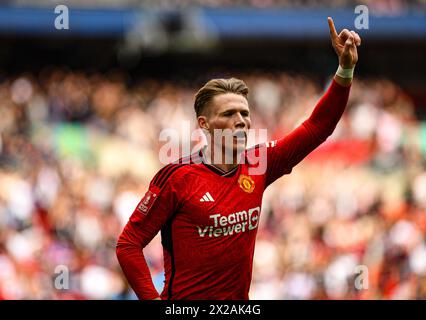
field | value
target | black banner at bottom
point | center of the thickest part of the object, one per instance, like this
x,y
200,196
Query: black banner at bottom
x,y
260,309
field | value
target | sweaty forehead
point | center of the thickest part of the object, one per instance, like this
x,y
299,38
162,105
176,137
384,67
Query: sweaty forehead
x,y
226,101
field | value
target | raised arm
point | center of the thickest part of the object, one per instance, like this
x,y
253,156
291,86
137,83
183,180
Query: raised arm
x,y
329,109
288,151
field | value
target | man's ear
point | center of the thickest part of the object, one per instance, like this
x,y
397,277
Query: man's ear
x,y
202,122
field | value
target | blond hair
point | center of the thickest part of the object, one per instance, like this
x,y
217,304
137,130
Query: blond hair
x,y
215,87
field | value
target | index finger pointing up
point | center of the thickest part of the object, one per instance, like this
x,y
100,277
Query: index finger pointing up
x,y
333,32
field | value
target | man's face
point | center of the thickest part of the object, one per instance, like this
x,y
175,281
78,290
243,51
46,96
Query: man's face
x,y
228,111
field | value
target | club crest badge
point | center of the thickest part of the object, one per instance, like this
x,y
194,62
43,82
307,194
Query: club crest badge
x,y
246,183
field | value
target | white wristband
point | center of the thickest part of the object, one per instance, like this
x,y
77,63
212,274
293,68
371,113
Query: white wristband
x,y
345,73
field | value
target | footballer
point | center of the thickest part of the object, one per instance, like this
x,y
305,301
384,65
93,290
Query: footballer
x,y
208,209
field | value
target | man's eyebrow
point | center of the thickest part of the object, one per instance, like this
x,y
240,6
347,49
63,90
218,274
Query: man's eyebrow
x,y
229,110
234,109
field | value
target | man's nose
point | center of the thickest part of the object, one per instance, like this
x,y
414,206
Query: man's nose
x,y
239,121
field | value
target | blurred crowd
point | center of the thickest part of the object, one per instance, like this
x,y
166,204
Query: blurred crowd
x,y
78,150
376,6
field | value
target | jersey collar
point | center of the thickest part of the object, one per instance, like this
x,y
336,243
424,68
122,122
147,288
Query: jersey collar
x,y
215,169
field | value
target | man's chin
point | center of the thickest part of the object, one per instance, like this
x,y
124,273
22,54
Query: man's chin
x,y
239,146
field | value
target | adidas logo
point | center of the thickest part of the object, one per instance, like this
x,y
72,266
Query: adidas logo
x,y
207,198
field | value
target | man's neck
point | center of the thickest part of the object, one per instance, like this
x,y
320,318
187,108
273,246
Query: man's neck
x,y
208,158
225,167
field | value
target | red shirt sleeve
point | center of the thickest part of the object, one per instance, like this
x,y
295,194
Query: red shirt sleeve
x,y
153,211
285,153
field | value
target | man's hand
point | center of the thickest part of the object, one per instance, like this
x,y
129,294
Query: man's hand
x,y
345,44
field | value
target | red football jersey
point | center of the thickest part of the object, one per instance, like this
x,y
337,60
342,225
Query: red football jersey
x,y
209,218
